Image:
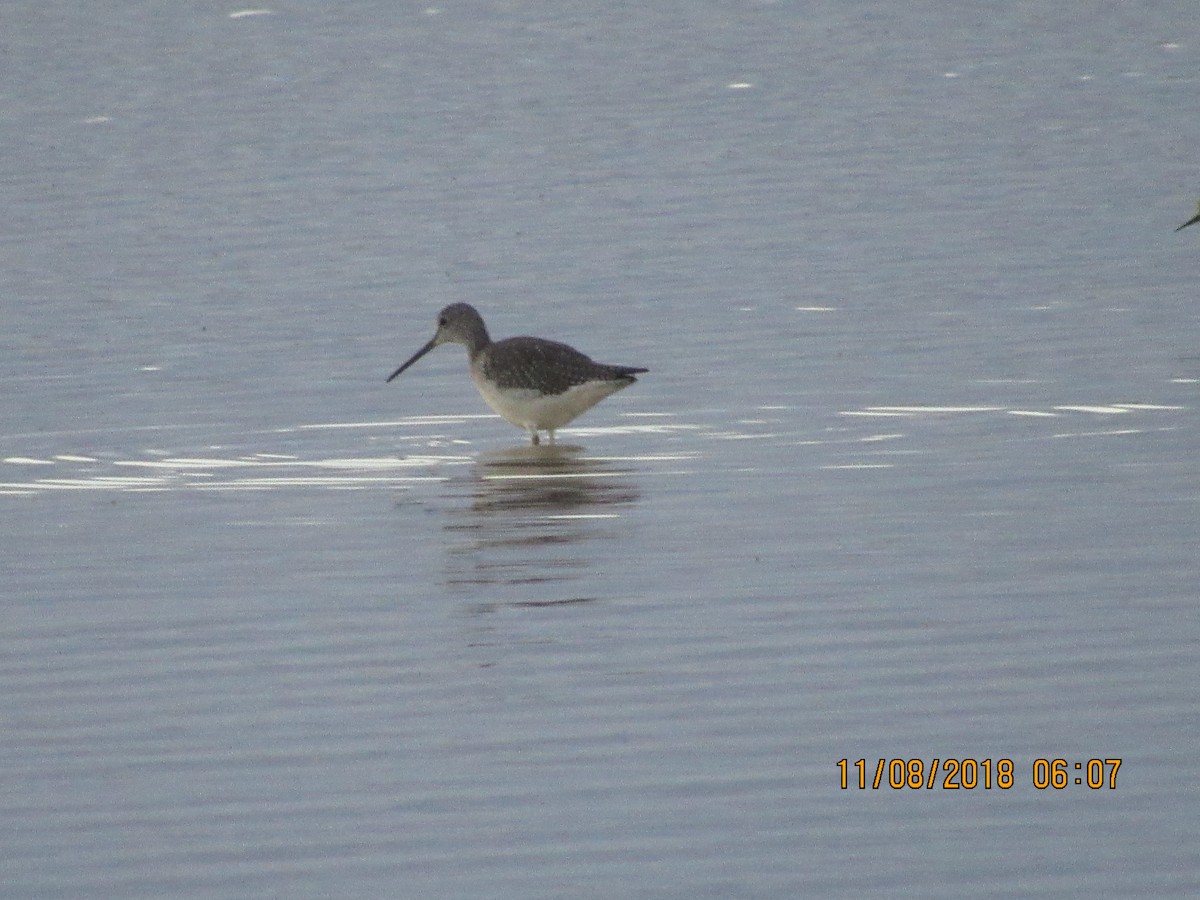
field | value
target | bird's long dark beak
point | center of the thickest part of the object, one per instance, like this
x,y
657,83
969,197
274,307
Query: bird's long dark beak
x,y
1192,221
415,357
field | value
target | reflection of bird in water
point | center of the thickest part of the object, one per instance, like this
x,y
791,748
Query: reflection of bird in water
x,y
535,384
555,481
1192,221
535,517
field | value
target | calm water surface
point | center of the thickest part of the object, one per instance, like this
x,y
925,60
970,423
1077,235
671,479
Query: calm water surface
x,y
912,476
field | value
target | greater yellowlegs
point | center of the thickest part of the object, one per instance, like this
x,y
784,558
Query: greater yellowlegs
x,y
1192,221
535,384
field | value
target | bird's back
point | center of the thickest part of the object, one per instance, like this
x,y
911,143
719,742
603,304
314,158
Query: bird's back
x,y
545,366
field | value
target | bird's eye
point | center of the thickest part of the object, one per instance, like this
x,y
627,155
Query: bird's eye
x,y
442,322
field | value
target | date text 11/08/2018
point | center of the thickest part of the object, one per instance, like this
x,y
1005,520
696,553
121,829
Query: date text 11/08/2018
x,y
968,774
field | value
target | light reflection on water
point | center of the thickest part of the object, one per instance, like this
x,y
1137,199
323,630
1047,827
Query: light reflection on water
x,y
529,478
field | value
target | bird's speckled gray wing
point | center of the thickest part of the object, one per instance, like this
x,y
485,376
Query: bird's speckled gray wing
x,y
546,366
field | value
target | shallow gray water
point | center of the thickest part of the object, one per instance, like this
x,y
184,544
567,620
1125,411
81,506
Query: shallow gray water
x,y
912,476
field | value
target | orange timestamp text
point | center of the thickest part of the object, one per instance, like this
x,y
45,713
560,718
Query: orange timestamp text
x,y
954,774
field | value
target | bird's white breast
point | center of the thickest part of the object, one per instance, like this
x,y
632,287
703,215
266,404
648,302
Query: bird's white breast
x,y
530,409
